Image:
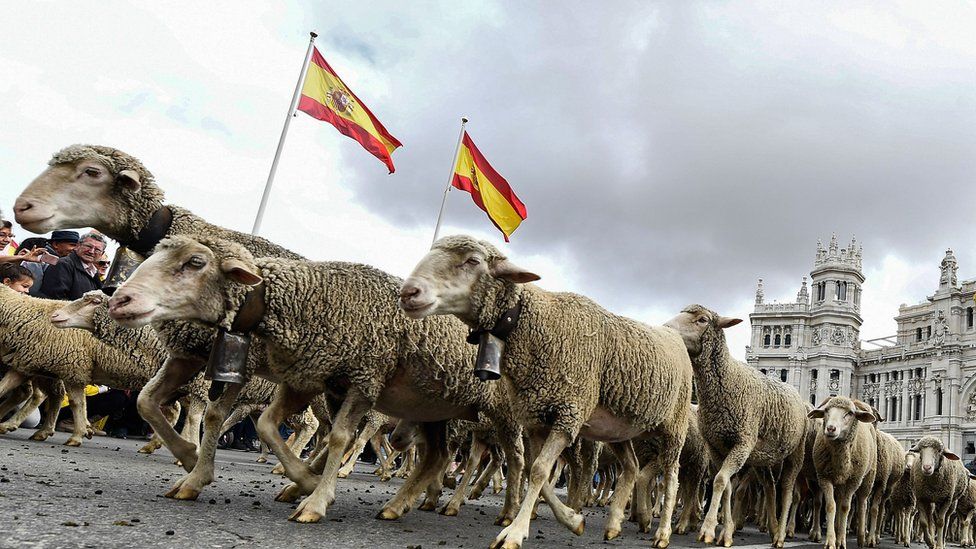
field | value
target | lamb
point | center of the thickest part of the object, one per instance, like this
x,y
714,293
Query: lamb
x,y
328,326
113,192
891,463
903,501
938,480
965,510
846,457
745,419
574,368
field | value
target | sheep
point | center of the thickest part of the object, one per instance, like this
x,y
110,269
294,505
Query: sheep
x,y
329,326
37,391
891,463
965,510
809,475
90,312
113,192
574,368
938,480
846,457
745,419
903,501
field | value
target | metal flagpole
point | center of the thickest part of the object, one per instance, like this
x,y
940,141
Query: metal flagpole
x,y
440,216
284,132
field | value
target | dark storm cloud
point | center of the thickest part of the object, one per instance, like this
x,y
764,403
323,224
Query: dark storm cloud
x,y
679,150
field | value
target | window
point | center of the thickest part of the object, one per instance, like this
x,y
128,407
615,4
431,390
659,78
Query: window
x,y
821,291
776,341
813,374
918,407
970,448
786,340
969,317
938,402
834,374
766,340
813,399
763,371
840,291
928,332
918,334
782,376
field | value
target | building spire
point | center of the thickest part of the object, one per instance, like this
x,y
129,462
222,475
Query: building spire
x,y
803,296
759,292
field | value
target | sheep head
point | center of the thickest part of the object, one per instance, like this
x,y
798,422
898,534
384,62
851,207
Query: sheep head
x,y
187,279
841,415
88,186
700,327
931,454
80,313
456,276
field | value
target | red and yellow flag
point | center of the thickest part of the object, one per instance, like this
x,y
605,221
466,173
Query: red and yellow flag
x,y
326,97
489,190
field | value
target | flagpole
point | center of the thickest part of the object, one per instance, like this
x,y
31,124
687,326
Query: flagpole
x,y
440,215
284,132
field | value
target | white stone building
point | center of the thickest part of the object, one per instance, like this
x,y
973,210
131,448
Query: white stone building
x,y
922,379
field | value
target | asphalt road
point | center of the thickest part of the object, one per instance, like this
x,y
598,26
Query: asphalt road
x,y
104,494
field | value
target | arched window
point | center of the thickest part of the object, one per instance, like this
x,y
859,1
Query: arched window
x,y
786,339
776,341
766,340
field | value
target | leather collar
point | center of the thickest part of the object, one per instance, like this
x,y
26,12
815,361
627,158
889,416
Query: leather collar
x,y
251,311
504,326
153,232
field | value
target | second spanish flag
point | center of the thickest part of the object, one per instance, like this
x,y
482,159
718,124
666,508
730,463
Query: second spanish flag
x,y
489,190
326,97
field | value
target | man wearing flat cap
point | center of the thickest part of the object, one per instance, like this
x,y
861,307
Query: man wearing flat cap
x,y
61,244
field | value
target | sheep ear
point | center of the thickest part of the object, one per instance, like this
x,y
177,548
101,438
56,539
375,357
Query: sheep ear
x,y
950,455
130,179
506,270
726,322
816,413
865,417
237,271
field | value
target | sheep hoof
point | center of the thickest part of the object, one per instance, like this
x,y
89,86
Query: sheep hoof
x,y
449,511
288,494
661,543
278,470
73,442
608,535
511,545
503,521
342,474
41,436
187,494
147,449
262,459
388,514
644,527
582,525
4,429
305,517
428,505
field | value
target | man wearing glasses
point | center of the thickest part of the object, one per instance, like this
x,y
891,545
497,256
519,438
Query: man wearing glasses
x,y
77,272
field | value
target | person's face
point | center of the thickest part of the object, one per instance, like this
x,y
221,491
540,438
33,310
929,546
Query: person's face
x,y
64,248
90,250
21,285
5,235
102,265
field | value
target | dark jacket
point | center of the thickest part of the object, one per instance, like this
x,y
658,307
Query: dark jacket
x,y
68,279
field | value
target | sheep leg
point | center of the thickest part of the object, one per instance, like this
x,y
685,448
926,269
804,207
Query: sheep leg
x,y
49,413
195,409
33,402
552,444
670,489
787,483
304,434
13,399
940,515
486,476
769,495
817,506
625,487
843,518
361,440
730,466
172,414
642,491
453,505
11,380
175,373
432,465
863,496
202,473
510,440
314,507
287,401
689,502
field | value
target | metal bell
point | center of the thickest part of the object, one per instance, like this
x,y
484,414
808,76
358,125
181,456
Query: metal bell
x,y
123,264
228,358
488,365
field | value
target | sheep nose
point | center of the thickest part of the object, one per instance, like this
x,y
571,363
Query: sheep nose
x,y
22,205
831,429
409,292
118,301
927,468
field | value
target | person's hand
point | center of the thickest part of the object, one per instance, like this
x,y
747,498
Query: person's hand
x,y
33,255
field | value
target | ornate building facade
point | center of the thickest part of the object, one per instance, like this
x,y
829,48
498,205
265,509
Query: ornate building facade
x,y
922,379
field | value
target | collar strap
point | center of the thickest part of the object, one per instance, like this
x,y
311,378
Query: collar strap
x,y
153,232
251,311
505,325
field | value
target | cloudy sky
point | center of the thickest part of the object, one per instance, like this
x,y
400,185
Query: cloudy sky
x,y
668,153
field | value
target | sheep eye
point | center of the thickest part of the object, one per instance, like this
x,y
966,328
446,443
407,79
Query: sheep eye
x,y
472,261
702,320
91,172
195,262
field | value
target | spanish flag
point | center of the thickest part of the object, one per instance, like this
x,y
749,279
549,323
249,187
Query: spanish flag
x,y
326,97
489,190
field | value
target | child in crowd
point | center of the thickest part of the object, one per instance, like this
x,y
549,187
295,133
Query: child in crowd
x,y
16,277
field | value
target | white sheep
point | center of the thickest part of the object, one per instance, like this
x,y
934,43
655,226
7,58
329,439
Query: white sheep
x,y
846,457
574,368
745,419
938,480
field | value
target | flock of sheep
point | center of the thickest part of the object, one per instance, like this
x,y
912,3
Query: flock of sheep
x,y
345,353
